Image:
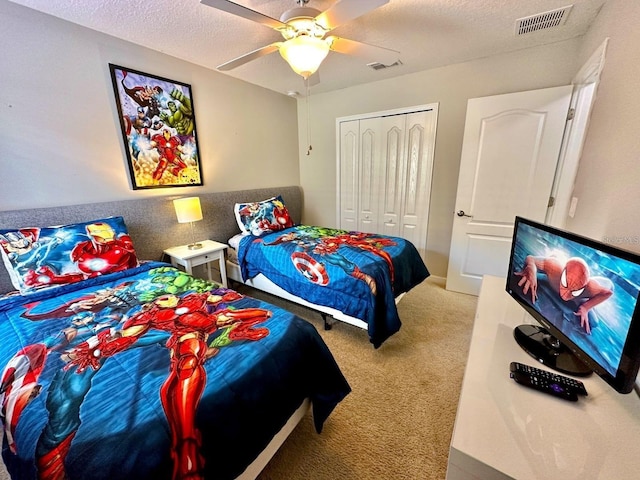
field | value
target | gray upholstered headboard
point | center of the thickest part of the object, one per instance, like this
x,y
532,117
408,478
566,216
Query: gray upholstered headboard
x,y
152,222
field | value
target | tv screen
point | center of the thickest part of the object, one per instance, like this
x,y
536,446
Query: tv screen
x,y
584,294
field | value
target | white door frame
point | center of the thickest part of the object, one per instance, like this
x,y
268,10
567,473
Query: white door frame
x,y
585,85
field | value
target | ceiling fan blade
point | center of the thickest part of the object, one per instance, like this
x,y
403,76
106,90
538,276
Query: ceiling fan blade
x,y
247,57
344,11
244,12
364,50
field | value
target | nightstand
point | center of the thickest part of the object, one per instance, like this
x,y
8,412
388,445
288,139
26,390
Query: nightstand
x,y
210,252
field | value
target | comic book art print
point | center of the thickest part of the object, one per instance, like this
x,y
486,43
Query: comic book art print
x,y
158,129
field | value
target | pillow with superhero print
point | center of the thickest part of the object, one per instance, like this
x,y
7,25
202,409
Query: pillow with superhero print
x,y
258,218
52,256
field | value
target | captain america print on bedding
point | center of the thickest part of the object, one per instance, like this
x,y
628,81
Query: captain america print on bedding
x,y
358,273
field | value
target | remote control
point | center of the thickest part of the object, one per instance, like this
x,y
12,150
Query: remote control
x,y
547,382
571,383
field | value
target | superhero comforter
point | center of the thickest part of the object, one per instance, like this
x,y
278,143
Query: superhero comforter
x,y
152,373
358,273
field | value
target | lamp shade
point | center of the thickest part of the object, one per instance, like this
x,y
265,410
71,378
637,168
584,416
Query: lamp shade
x,y
304,54
188,209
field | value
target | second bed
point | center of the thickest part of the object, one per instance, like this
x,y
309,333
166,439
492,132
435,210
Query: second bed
x,y
355,277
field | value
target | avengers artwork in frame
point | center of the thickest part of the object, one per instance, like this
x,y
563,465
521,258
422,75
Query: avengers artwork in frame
x,y
158,129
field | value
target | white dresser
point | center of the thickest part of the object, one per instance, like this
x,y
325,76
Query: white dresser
x,y
506,431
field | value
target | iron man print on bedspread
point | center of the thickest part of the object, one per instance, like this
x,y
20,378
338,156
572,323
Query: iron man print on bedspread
x,y
50,256
193,326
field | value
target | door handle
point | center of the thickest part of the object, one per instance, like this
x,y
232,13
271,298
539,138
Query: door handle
x,y
461,213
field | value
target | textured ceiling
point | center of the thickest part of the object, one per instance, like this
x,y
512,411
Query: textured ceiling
x,y
427,33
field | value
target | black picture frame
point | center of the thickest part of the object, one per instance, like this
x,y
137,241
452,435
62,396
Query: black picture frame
x,y
158,127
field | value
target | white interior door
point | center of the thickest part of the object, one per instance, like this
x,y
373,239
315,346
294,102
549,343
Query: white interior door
x,y
509,156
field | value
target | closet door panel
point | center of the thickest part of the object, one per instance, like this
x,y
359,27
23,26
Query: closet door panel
x,y
411,196
420,137
349,173
368,215
393,133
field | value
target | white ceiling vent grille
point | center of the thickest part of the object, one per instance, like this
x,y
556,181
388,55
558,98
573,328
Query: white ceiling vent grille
x,y
382,66
542,21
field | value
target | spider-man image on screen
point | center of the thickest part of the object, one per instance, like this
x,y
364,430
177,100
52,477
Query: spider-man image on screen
x,y
587,294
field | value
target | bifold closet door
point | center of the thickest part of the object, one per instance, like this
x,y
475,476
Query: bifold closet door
x,y
361,174
385,169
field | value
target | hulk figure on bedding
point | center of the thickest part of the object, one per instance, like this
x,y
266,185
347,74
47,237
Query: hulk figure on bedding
x,y
171,281
193,318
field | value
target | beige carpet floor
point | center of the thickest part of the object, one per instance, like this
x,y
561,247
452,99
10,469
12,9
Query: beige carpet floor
x,y
397,422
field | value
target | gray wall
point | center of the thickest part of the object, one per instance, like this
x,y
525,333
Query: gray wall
x,y
60,130
151,221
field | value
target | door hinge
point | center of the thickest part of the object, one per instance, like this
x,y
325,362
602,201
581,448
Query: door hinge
x,y
571,113
552,202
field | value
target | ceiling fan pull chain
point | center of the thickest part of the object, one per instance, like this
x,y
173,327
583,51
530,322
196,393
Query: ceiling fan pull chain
x,y
306,83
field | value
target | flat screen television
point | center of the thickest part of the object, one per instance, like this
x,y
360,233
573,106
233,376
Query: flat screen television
x,y
584,294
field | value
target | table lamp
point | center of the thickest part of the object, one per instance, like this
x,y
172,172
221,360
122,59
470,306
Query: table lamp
x,y
188,210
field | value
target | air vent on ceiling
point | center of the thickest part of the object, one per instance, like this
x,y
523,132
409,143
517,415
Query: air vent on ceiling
x,y
542,21
381,66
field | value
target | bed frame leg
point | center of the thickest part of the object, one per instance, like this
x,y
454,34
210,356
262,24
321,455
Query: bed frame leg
x,y
327,323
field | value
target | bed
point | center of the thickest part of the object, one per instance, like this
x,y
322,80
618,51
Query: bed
x,y
355,277
114,367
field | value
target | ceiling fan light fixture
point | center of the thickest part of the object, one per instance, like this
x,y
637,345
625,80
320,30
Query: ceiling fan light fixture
x,y
304,54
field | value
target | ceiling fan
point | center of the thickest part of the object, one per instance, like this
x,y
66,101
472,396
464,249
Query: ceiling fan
x,y
304,28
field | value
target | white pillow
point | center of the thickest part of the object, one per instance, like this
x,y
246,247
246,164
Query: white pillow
x,y
234,242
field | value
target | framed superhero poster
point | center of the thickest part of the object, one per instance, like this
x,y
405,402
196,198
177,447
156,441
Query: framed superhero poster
x,y
158,129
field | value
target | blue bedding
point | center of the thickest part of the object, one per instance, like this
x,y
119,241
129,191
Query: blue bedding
x,y
152,373
357,273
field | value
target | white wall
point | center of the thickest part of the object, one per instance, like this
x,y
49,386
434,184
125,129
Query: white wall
x,y
451,86
608,182
59,128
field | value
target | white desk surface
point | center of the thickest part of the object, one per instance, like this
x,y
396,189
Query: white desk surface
x,y
504,430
